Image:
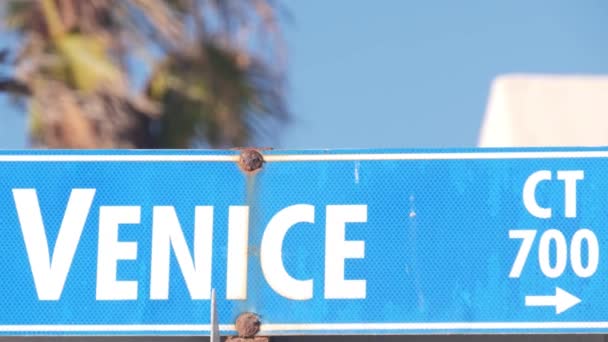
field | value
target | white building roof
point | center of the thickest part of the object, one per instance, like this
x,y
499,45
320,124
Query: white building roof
x,y
546,110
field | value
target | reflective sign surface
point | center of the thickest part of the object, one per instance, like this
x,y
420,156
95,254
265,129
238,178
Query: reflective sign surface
x,y
315,242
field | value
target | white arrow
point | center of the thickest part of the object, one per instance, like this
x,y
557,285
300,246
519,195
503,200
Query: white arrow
x,y
562,300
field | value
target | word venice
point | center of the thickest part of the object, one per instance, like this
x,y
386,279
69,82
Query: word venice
x,y
50,274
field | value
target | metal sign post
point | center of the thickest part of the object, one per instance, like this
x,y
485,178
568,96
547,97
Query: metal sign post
x,y
215,328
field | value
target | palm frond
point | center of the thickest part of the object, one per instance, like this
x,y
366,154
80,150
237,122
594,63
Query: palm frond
x,y
207,86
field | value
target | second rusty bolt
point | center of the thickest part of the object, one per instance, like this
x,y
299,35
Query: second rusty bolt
x,y
247,325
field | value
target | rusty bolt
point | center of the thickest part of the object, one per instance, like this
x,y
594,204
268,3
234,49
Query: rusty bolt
x,y
248,324
251,160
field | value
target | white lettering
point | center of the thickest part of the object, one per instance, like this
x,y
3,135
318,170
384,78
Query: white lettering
x,y
238,240
271,252
337,250
593,253
167,233
529,194
527,236
570,178
561,253
110,250
50,272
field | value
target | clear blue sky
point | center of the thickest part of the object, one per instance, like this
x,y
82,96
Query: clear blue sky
x,y
415,73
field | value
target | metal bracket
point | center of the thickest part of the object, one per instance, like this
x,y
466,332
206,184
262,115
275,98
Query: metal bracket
x,y
215,327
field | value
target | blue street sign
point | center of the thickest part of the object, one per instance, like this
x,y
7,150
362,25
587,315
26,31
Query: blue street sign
x,y
315,242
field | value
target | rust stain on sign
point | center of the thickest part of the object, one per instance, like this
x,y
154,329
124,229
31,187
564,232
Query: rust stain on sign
x,y
251,162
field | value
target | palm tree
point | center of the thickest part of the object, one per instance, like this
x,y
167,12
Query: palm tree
x,y
210,72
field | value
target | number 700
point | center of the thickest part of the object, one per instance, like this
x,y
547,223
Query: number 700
x,y
561,252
